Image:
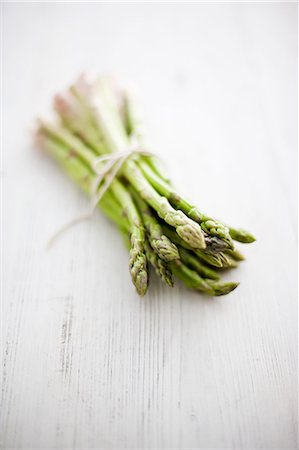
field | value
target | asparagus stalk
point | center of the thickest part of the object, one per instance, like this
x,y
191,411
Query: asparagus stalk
x,y
138,262
194,263
190,278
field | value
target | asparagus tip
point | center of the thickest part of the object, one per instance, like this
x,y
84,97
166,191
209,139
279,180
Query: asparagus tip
x,y
191,233
238,234
223,288
138,267
165,248
141,283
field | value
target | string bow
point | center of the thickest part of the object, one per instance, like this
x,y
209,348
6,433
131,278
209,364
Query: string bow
x,y
113,162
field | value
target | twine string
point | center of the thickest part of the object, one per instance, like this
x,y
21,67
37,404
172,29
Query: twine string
x,y
113,162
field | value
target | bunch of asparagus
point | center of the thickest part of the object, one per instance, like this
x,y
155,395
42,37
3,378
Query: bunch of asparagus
x,y
98,121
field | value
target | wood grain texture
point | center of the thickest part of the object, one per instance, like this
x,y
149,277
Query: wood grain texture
x,y
87,364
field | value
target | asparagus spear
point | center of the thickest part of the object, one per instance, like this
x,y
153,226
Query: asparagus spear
x,y
138,262
190,278
194,263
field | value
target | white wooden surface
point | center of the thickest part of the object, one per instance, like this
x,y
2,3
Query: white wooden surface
x,y
87,364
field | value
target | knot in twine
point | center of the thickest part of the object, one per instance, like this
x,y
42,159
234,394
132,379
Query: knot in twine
x,y
113,162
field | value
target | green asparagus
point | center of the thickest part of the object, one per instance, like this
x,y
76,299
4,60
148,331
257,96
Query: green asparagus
x,y
131,188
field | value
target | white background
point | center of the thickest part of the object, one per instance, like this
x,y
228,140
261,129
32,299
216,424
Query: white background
x,y
87,364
